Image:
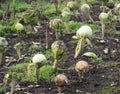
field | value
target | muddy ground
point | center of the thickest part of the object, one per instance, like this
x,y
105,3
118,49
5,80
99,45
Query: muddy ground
x,y
102,78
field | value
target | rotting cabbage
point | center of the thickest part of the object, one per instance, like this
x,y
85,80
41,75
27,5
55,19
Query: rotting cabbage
x,y
82,34
59,52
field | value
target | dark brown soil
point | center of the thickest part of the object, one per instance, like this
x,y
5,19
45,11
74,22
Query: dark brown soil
x,y
103,74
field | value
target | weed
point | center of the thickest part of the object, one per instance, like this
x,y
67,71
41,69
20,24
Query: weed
x,y
47,73
108,90
20,68
5,30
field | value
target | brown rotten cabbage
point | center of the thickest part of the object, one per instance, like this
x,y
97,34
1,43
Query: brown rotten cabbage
x,y
81,68
61,80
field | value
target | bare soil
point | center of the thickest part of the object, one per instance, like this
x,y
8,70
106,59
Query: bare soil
x,y
104,75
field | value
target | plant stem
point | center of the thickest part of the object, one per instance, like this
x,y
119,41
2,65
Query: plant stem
x,y
12,86
18,53
59,90
103,10
29,70
6,12
55,64
85,1
89,42
14,8
47,37
37,72
56,5
79,75
78,47
90,18
59,3
56,33
103,29
1,55
37,65
66,26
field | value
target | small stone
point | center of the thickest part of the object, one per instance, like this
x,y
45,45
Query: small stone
x,y
7,93
106,50
35,29
8,59
102,41
117,40
74,37
113,84
111,69
17,86
27,93
78,91
103,76
37,85
1,84
14,60
18,89
51,33
31,86
113,51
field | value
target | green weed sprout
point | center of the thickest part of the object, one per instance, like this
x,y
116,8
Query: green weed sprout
x,y
56,4
47,73
81,68
71,5
29,68
85,9
3,46
60,81
112,20
66,13
82,34
103,18
18,27
59,52
56,25
18,47
38,59
11,77
103,7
